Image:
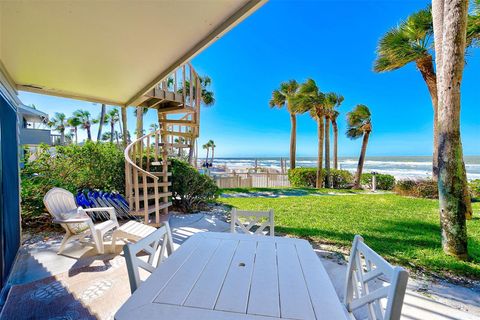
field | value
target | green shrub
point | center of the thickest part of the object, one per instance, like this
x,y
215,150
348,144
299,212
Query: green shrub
x,y
474,187
425,188
302,177
73,167
384,181
190,189
341,179
307,177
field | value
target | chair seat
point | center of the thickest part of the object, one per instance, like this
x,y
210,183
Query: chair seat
x,y
134,230
105,226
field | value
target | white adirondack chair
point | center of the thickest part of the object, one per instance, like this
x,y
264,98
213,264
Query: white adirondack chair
x,y
252,218
162,237
373,282
76,222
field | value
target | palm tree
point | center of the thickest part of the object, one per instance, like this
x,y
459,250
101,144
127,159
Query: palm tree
x,y
112,117
58,123
143,111
333,117
101,121
450,27
283,97
329,105
412,41
359,124
207,147
85,122
213,146
153,127
207,99
73,123
310,98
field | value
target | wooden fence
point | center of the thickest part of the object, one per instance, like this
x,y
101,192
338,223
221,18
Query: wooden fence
x,y
252,180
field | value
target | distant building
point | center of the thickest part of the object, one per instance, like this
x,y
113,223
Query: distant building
x,y
33,127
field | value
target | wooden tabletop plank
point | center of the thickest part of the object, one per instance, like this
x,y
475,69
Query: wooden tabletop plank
x,y
159,311
264,298
294,298
324,298
234,294
205,292
180,285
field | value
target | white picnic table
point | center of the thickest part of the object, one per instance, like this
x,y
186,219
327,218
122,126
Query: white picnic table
x,y
237,276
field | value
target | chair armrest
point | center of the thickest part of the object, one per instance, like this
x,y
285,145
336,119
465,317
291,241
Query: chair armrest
x,y
98,209
78,220
110,210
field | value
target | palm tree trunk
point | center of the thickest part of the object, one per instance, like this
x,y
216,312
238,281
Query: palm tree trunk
x,y
112,131
116,136
425,65
139,122
335,144
293,140
89,133
62,137
206,159
75,129
450,30
327,150
320,132
191,152
213,153
361,161
100,124
124,127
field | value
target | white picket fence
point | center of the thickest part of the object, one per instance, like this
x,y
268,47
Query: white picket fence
x,y
252,180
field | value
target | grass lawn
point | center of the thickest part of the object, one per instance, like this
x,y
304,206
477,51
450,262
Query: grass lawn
x,y
404,230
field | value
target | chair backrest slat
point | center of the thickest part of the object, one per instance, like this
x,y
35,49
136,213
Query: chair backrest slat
x,y
371,281
58,201
252,218
162,237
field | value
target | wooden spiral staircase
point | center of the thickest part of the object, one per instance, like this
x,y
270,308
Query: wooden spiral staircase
x,y
177,99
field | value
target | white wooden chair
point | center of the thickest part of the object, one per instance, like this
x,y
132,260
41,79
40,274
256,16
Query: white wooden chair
x,y
373,282
76,222
252,218
162,236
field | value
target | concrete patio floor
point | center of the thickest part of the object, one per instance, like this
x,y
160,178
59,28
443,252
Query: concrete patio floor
x,y
424,299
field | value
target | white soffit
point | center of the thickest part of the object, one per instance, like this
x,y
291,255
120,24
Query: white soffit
x,y
108,51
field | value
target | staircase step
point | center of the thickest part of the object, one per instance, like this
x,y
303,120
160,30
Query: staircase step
x,y
152,196
174,145
160,174
181,122
160,184
179,134
151,209
159,163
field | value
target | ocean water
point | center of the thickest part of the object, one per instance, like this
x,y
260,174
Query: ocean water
x,y
411,167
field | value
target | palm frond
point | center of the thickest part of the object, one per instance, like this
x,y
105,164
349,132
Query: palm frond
x,y
405,43
358,121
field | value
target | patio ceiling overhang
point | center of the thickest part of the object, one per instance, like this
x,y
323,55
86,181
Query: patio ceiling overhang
x,y
108,52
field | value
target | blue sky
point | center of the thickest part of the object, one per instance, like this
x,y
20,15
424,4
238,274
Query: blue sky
x,y
333,42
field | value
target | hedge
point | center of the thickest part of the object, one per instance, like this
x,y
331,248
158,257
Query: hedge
x,y
384,181
72,167
307,177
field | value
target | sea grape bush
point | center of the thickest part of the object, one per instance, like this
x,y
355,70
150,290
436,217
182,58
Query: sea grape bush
x,y
190,189
422,188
